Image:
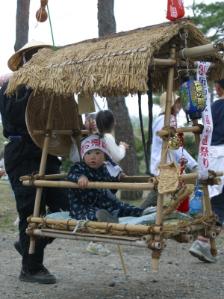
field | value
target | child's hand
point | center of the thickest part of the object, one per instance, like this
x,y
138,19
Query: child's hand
x,y
2,172
83,181
124,144
122,175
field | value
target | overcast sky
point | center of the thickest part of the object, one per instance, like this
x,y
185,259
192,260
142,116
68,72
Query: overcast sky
x,y
76,20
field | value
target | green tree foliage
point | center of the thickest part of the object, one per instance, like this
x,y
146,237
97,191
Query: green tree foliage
x,y
209,18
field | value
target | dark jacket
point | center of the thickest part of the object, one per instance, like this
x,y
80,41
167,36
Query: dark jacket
x,y
20,146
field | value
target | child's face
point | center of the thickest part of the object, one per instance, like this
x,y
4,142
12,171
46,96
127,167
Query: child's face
x,y
94,158
90,124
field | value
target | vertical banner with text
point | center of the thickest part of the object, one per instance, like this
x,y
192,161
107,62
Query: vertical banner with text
x,y
203,155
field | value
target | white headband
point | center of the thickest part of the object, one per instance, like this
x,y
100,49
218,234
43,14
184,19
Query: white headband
x,y
91,143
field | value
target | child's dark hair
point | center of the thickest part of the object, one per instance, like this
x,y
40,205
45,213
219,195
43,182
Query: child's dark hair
x,y
220,82
105,121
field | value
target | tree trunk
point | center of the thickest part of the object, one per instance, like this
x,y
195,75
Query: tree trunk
x,y
22,23
123,128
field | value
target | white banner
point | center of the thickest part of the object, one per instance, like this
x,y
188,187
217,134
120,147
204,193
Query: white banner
x,y
203,155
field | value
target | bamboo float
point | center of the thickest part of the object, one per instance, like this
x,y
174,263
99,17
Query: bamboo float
x,y
87,237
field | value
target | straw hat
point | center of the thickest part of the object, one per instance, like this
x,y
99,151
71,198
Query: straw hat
x,y
15,60
65,117
162,100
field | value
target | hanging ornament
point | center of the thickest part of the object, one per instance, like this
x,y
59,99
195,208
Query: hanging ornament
x,y
41,14
192,97
175,9
174,142
184,206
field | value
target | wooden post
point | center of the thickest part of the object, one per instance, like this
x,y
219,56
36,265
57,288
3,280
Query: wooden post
x,y
159,215
207,208
42,168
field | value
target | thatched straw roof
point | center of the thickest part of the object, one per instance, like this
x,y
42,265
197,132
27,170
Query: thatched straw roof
x,y
109,66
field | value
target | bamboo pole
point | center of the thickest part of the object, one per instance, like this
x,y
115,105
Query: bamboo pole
x,y
88,238
120,252
91,185
163,62
42,168
208,212
159,215
207,208
196,135
193,129
60,132
55,176
72,223
198,51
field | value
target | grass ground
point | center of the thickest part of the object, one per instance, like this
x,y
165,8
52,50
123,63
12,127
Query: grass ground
x,y
7,208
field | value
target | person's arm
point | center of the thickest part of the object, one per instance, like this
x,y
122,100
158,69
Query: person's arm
x,y
117,152
2,172
15,105
156,145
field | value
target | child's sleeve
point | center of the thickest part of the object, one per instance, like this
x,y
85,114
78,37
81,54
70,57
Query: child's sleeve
x,y
117,152
75,172
107,177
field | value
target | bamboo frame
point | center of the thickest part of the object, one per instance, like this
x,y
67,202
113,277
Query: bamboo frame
x,y
137,235
129,229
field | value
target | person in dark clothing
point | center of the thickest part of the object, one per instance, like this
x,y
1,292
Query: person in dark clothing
x,y
23,157
201,247
216,192
96,204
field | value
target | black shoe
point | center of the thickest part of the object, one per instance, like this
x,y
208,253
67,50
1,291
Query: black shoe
x,y
42,276
104,216
18,247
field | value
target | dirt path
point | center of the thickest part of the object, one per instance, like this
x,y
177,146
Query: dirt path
x,y
83,275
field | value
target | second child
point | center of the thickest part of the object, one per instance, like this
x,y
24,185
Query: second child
x,y
105,124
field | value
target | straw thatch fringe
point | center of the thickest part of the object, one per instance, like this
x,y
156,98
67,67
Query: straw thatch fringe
x,y
110,66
